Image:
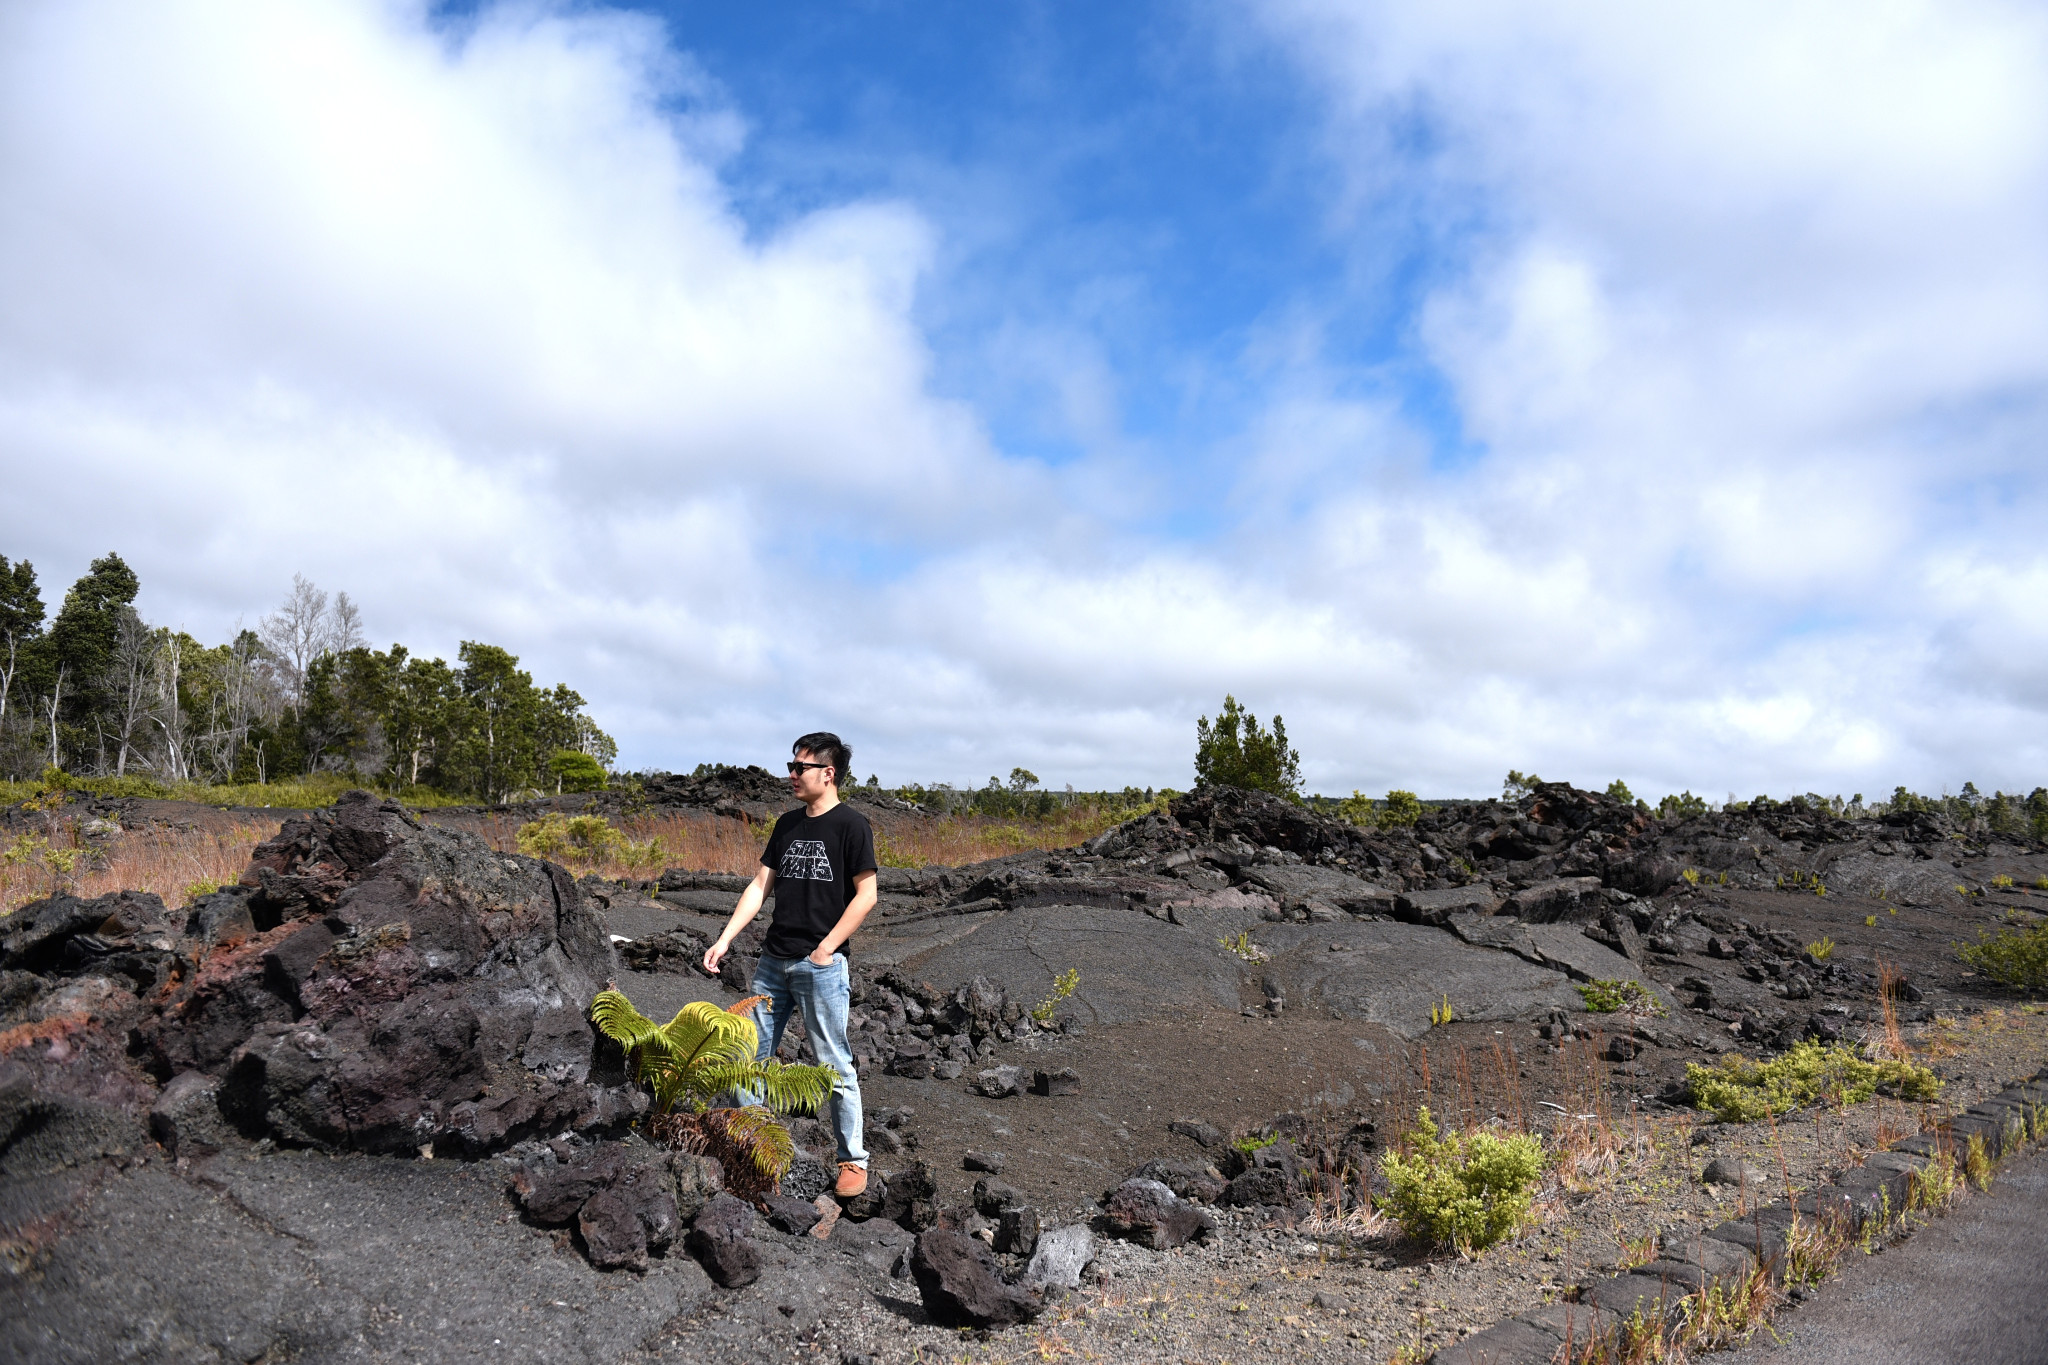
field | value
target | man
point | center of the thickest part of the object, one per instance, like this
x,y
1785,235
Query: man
x,y
820,866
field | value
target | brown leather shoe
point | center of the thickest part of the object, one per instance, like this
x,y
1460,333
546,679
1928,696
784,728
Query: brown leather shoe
x,y
853,1180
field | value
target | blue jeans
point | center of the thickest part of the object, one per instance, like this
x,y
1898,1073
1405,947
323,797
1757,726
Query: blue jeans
x,y
793,984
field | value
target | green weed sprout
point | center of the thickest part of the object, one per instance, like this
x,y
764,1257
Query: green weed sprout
x,y
1870,921
1441,1013
1062,987
1465,1190
1608,997
1738,1090
1821,948
1240,944
2002,882
1691,875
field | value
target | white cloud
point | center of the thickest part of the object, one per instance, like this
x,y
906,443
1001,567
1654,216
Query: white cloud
x,y
1741,305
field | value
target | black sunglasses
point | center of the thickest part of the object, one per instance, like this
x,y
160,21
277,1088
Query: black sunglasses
x,y
797,765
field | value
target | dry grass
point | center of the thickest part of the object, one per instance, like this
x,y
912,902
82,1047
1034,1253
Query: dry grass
x,y
700,843
960,840
175,864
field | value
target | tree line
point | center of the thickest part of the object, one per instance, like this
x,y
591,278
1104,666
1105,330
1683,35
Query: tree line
x,y
98,691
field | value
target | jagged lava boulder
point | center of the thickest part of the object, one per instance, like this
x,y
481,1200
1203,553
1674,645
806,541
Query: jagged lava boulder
x,y
405,986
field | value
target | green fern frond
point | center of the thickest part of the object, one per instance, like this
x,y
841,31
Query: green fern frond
x,y
703,1053
755,1131
616,1018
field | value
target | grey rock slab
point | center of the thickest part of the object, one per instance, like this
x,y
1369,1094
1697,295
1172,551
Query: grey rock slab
x,y
1132,966
1291,886
325,1259
1505,1343
1432,907
1566,947
1392,974
1575,1323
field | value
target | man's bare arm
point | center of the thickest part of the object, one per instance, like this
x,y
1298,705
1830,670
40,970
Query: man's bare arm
x,y
856,911
743,915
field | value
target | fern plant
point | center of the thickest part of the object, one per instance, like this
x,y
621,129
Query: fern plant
x,y
703,1053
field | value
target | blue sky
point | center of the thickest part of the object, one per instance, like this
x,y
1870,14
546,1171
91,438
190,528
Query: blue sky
x,y
1592,390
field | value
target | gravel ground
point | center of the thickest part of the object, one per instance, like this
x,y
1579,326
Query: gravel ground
x,y
1269,1293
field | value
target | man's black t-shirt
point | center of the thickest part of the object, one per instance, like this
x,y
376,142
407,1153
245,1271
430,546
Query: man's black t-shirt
x,y
815,859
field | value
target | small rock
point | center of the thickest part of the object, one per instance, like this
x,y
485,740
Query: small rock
x,y
1064,1081
1148,1212
612,1233
1017,1230
1062,1254
993,1196
961,1287
720,1242
1731,1171
1621,1048
791,1215
1205,1134
910,1198
1000,1082
992,1162
186,1118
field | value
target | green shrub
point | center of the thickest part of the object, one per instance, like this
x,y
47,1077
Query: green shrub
x,y
1821,948
562,837
1618,790
1738,1090
1467,1190
1402,809
1682,806
2011,957
1606,997
1359,809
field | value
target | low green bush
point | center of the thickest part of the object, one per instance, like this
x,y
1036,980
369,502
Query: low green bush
x,y
1738,1090
1465,1190
1608,997
2011,957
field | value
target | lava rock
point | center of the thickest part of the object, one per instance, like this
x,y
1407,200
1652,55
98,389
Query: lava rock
x,y
793,1216
186,1117
1148,1212
910,1197
993,1196
1062,1254
720,1241
1064,1081
1188,1179
1259,1185
1732,1171
960,1286
992,1162
1204,1134
1017,1230
1000,1082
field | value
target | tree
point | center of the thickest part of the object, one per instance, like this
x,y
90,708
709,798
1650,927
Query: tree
x,y
21,628
1617,790
576,771
304,628
1022,779
1238,752
494,752
82,641
1519,785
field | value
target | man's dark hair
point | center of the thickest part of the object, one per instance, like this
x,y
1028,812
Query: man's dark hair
x,y
827,747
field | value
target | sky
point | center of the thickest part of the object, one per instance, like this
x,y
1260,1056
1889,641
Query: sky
x,y
1596,390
